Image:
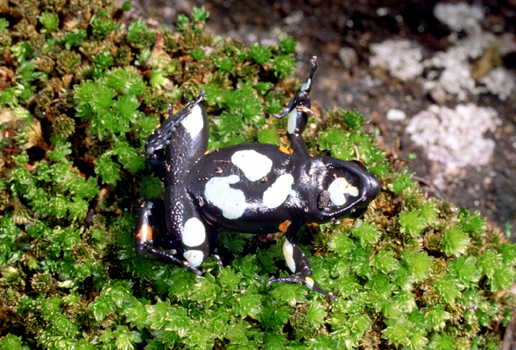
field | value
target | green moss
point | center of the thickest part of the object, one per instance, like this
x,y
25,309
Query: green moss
x,y
418,263
411,222
102,24
413,273
260,54
269,135
74,38
288,45
49,20
4,24
139,35
455,241
12,342
107,169
283,65
365,232
401,182
200,14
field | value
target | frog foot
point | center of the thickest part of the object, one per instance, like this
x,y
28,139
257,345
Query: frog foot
x,y
307,281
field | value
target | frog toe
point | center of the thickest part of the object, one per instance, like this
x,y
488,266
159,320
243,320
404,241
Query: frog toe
x,y
307,281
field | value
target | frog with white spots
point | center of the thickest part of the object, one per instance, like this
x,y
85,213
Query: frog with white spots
x,y
256,188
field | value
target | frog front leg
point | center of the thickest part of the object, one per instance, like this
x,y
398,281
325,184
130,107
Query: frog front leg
x,y
297,111
298,264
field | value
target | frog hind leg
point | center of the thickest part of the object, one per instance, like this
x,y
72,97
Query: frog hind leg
x,y
299,265
151,236
181,138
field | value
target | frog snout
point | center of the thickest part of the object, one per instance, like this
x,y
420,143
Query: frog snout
x,y
372,188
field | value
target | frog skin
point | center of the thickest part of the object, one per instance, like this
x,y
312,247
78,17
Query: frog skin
x,y
254,188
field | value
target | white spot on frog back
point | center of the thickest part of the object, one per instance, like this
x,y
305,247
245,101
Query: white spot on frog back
x,y
254,165
230,200
339,189
194,232
194,122
194,257
288,254
278,192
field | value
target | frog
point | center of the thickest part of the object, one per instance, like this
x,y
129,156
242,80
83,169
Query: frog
x,y
254,188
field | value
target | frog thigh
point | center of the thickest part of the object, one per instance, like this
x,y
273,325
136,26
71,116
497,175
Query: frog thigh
x,y
180,141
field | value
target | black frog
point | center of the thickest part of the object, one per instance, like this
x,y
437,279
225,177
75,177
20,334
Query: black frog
x,y
255,188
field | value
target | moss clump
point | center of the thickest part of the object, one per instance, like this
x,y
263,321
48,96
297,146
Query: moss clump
x,y
83,90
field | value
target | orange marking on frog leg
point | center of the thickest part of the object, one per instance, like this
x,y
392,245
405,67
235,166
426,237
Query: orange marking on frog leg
x,y
304,109
286,150
283,227
145,233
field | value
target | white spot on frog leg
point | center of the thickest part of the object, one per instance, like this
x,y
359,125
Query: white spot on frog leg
x,y
288,253
194,257
194,232
254,165
292,121
278,192
230,200
306,85
339,189
194,122
309,281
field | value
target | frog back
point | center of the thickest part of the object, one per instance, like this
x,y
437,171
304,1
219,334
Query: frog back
x,y
249,188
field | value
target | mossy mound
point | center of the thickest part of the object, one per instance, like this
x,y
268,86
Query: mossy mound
x,y
81,91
